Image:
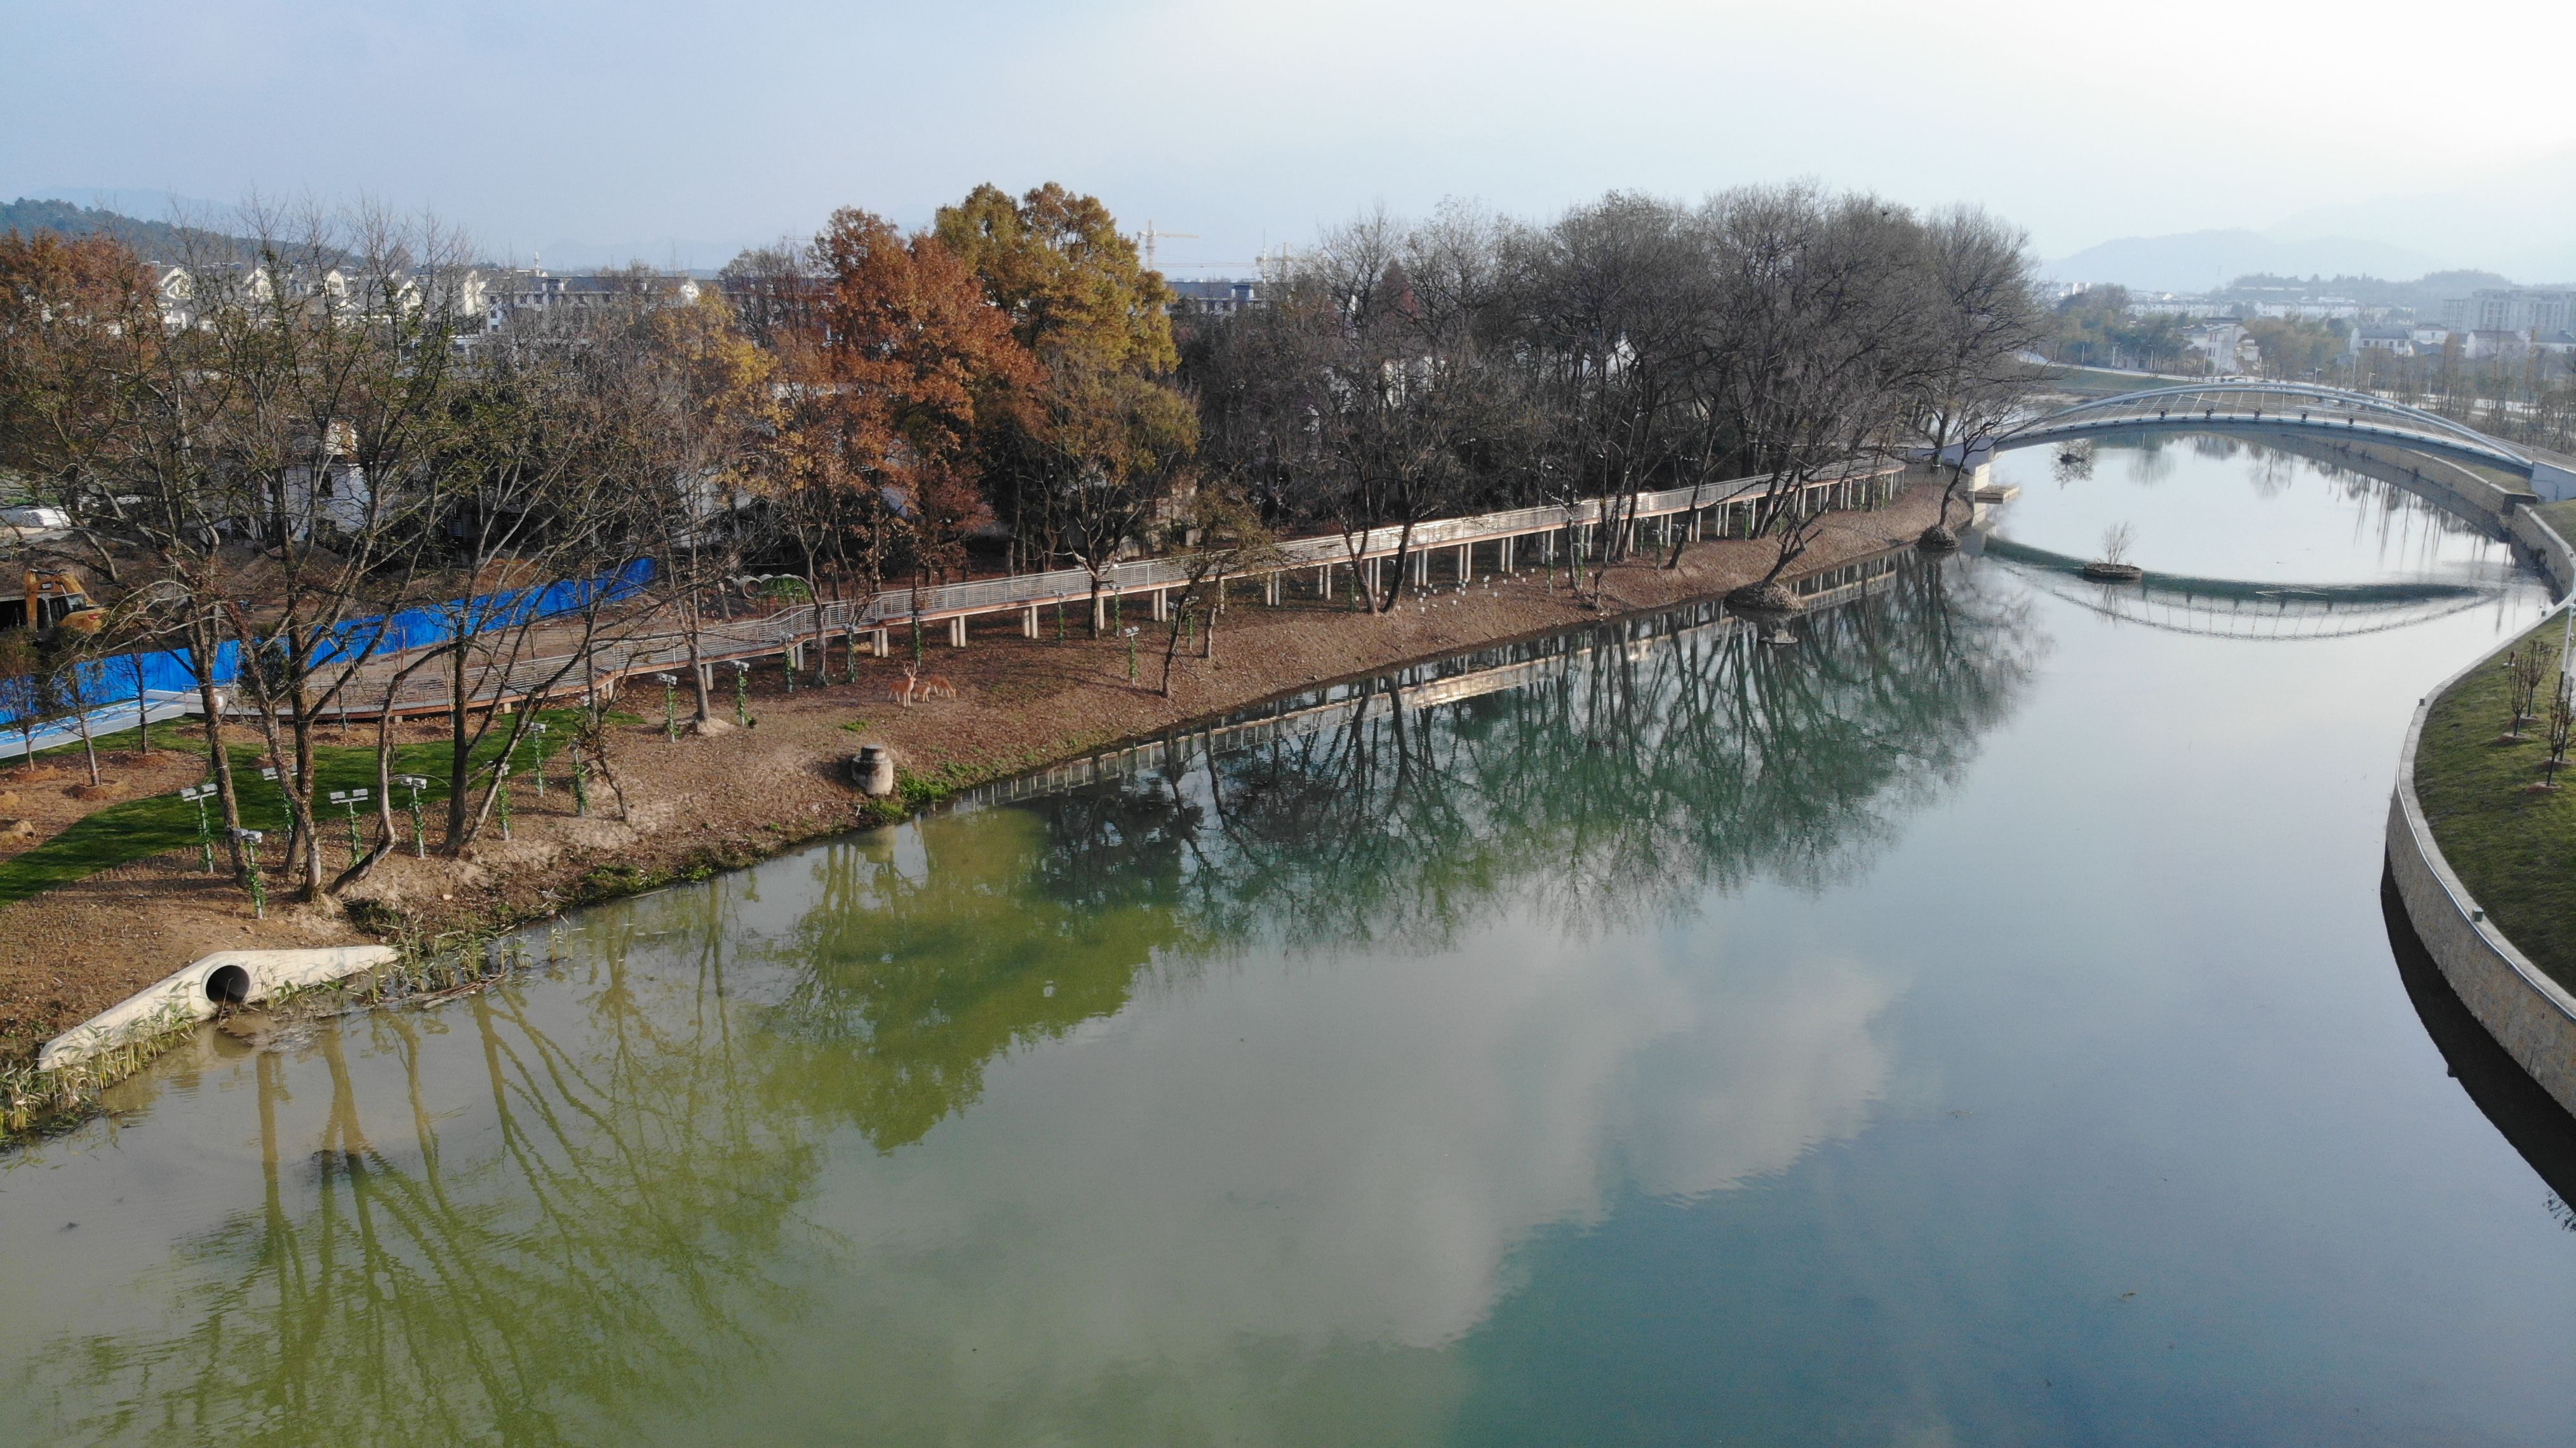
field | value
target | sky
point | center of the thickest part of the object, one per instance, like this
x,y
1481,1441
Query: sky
x,y
678,134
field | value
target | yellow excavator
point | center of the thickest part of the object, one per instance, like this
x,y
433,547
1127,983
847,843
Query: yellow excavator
x,y
50,600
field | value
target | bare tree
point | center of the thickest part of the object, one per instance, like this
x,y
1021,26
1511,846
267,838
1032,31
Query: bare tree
x,y
1616,300
1983,318
1818,332
1218,535
696,408
1404,406
533,527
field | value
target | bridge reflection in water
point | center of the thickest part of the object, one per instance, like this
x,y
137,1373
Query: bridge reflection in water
x,y
2241,609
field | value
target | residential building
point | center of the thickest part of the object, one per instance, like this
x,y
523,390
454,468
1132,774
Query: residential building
x,y
508,293
1216,298
2495,345
2224,347
2511,309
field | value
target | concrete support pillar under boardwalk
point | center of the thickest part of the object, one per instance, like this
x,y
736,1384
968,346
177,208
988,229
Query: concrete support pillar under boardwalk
x,y
1505,549
1162,606
880,644
1270,590
1100,615
957,632
1422,568
1029,622
1466,562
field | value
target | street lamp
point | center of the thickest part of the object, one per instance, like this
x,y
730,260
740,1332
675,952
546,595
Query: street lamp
x,y
198,794
250,843
351,799
415,783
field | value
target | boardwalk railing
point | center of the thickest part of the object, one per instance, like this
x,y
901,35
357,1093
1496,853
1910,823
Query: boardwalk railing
x,y
1419,686
1729,504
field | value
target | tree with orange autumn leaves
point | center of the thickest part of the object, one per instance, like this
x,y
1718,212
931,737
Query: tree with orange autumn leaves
x,y
887,386
1085,472
1011,362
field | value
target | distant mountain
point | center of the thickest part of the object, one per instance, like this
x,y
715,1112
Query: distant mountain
x,y
155,240
2202,261
131,201
2520,221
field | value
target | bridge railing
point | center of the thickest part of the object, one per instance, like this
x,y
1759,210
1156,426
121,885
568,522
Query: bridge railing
x,y
2286,404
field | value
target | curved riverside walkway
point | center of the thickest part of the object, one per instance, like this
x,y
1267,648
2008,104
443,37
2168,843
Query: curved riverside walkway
x,y
2530,1015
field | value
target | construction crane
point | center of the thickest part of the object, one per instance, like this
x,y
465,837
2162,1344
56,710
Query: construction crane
x,y
1151,236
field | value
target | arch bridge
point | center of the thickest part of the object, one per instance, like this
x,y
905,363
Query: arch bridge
x,y
2298,406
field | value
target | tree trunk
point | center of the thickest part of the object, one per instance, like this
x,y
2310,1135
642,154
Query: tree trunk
x,y
80,721
1172,644
460,752
300,800
697,667
210,701
1403,548
142,708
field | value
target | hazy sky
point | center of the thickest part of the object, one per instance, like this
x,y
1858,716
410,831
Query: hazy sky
x,y
681,133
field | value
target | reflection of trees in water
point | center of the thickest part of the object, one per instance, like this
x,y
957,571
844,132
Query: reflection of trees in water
x,y
2152,464
2371,476
911,974
583,1258
1630,781
596,1251
1626,781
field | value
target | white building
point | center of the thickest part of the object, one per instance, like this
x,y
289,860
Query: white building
x,y
2224,347
509,293
2514,309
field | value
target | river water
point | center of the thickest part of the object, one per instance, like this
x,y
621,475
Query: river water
x,y
1971,1023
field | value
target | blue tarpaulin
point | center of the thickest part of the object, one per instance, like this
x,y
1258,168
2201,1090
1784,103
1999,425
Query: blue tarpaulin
x,y
170,670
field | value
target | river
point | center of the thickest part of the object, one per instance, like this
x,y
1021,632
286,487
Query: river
x,y
1973,1022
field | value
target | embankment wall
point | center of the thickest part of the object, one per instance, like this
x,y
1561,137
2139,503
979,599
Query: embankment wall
x,y
2529,1014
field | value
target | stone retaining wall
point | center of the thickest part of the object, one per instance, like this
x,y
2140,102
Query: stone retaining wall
x,y
2555,558
2530,1015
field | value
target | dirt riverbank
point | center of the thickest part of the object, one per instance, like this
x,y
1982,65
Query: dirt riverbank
x,y
727,800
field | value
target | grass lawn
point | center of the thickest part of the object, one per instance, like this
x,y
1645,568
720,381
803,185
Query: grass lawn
x,y
139,828
2561,518
2515,852
2097,382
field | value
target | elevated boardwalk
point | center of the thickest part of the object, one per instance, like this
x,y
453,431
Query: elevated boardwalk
x,y
1450,550
1438,681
